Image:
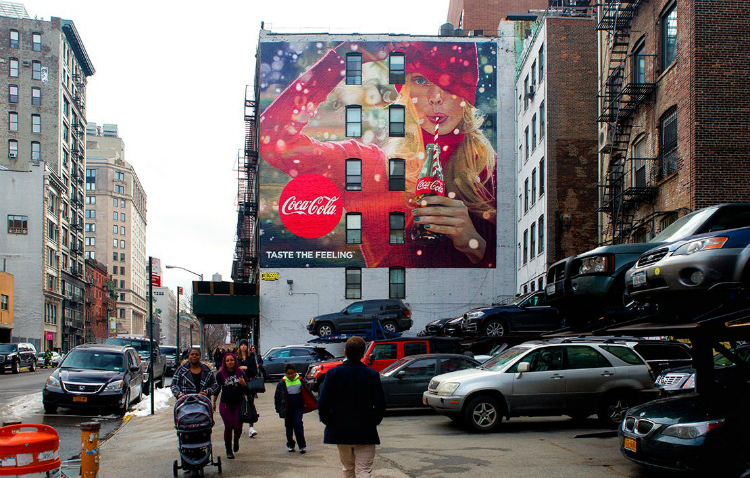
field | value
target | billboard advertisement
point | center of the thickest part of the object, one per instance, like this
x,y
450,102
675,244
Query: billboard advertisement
x,y
378,154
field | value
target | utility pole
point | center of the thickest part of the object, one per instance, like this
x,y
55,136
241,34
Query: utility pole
x,y
151,330
179,292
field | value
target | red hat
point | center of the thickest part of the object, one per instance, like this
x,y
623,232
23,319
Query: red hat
x,y
451,66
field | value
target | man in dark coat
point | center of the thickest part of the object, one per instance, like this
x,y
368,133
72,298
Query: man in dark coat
x,y
351,405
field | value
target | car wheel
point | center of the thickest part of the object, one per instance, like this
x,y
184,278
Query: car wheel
x,y
122,410
324,329
613,407
390,326
32,367
483,413
495,328
16,367
262,373
49,408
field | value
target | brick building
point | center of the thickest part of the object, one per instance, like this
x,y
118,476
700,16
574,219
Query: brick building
x,y
481,17
673,114
6,306
557,154
99,302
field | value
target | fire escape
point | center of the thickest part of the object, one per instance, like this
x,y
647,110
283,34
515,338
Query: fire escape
x,y
245,264
626,183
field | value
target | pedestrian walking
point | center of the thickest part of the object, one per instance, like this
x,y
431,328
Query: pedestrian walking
x,y
258,359
217,356
47,358
248,364
293,398
193,376
351,404
232,388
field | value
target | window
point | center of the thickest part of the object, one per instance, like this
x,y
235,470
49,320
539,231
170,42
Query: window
x,y
541,177
50,257
120,176
541,282
526,195
13,68
547,359
396,175
639,64
526,92
90,227
36,124
114,256
353,228
18,224
12,93
115,242
90,241
36,150
533,75
36,96
578,357
12,148
384,352
397,283
121,312
353,283
353,174
90,213
91,175
396,228
525,246
122,216
541,234
14,39
396,120
639,164
114,270
353,121
542,120
668,36
13,121
533,133
122,204
526,142
90,186
4,302
624,353
115,202
122,271
119,189
353,69
122,230
114,215
36,41
36,70
541,62
115,229
396,69
122,244
122,257
668,142
533,186
532,237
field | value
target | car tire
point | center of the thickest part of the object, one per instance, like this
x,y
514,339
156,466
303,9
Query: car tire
x,y
262,373
49,408
483,413
16,367
32,367
390,326
613,407
122,410
495,328
324,329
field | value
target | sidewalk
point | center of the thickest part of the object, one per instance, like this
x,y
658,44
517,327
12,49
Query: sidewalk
x,y
147,447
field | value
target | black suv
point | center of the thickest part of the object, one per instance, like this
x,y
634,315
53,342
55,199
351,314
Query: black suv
x,y
393,314
140,344
301,356
14,357
528,313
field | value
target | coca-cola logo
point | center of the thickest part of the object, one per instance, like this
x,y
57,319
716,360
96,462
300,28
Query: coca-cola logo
x,y
310,206
429,185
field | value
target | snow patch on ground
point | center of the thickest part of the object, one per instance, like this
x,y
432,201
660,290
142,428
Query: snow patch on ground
x,y
23,406
161,401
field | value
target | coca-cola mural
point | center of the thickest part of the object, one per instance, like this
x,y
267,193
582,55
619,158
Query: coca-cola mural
x,y
414,167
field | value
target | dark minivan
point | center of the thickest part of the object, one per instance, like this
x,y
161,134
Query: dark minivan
x,y
393,314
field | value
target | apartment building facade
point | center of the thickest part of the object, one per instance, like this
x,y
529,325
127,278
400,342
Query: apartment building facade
x,y
673,112
46,69
481,17
556,155
100,302
165,315
115,224
6,306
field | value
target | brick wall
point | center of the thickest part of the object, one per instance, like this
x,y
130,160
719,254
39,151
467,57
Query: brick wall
x,y
486,14
571,126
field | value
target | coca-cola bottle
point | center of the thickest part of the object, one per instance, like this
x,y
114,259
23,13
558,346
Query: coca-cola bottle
x,y
430,183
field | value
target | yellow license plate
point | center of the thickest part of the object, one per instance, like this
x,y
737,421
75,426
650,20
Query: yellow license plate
x,y
629,444
80,399
424,400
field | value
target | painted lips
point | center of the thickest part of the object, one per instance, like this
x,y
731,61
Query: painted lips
x,y
437,119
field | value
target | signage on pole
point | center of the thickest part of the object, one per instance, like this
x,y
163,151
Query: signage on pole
x,y
155,272
179,290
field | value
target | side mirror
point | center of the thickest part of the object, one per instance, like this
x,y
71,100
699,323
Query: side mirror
x,y
345,311
523,367
400,374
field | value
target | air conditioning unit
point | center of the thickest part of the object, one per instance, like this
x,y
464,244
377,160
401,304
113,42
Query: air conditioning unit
x,y
26,63
12,155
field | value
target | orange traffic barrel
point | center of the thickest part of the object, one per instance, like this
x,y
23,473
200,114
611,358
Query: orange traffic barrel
x,y
29,450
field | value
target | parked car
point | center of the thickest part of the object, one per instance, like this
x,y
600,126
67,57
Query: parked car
x,y
435,327
596,279
94,376
14,357
682,379
140,344
382,353
529,313
171,357
690,432
54,361
453,328
301,356
707,263
545,378
393,314
405,380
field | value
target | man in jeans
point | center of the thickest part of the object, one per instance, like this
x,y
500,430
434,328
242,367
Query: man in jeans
x,y
351,405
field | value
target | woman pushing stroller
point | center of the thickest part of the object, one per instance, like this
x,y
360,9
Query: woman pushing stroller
x,y
193,377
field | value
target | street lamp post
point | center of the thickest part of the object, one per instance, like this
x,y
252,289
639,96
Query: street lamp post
x,y
186,270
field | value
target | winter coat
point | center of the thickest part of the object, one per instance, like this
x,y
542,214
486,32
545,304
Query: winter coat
x,y
351,404
182,382
281,398
249,362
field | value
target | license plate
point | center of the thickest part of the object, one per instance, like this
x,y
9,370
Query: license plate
x,y
80,399
424,400
639,278
629,444
551,289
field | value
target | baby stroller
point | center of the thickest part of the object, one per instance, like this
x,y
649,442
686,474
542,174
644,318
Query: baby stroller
x,y
194,419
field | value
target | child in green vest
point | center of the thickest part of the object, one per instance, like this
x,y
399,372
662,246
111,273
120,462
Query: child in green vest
x,y
293,398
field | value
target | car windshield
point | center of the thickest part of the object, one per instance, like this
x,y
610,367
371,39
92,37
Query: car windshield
x,y
388,371
500,361
684,226
8,348
722,361
141,346
168,350
94,360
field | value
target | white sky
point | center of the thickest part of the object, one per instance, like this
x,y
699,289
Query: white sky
x,y
172,76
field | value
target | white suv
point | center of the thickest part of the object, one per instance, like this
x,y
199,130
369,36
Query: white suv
x,y
546,378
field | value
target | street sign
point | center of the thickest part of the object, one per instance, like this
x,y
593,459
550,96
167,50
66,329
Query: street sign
x,y
155,272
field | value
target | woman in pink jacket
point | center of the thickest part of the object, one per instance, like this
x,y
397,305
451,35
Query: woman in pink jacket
x,y
439,93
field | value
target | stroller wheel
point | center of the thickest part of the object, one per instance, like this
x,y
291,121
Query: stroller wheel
x,y
218,463
175,467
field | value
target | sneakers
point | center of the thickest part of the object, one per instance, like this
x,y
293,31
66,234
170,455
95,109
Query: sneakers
x,y
302,451
230,455
290,449
251,433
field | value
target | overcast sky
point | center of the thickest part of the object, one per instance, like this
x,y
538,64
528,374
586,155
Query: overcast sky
x,y
172,76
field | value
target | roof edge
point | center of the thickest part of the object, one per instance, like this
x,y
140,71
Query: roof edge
x,y
69,29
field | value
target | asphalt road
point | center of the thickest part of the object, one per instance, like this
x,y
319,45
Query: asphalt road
x,y
24,383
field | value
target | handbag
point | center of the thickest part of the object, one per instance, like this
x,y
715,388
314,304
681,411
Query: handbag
x,y
248,413
256,385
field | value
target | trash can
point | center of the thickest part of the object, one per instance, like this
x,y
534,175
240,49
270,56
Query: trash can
x,y
29,451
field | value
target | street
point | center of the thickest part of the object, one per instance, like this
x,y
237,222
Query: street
x,y
24,383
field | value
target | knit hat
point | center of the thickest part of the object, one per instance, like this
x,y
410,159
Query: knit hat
x,y
451,66
243,341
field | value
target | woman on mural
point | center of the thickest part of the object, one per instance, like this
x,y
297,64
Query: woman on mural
x,y
439,96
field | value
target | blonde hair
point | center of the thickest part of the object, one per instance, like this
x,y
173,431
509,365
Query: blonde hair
x,y
468,174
